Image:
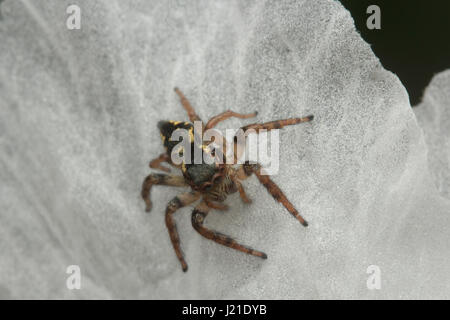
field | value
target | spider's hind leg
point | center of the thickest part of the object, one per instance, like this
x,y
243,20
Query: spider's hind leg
x,y
159,179
198,216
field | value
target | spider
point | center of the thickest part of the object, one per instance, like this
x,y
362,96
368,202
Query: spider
x,y
210,182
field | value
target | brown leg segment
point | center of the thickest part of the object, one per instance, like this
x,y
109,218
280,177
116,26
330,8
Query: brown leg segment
x,y
239,145
278,195
156,163
179,201
216,205
277,124
159,179
225,115
187,106
198,217
247,169
242,193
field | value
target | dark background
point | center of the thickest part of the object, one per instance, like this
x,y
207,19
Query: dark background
x,y
414,40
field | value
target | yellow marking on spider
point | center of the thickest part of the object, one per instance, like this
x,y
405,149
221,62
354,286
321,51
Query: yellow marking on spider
x,y
206,148
191,134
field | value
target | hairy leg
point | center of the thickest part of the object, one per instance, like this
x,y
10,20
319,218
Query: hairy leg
x,y
179,201
198,216
225,115
277,124
247,169
239,143
187,106
159,179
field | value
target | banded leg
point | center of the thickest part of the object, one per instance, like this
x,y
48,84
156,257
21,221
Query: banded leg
x,y
239,145
247,169
159,179
176,203
156,163
198,216
226,115
277,124
187,106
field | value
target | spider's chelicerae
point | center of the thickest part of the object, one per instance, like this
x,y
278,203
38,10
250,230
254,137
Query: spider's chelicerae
x,y
210,182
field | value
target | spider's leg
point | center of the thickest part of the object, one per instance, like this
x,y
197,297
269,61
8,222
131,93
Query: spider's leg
x,y
239,143
246,170
216,205
198,217
241,190
160,179
179,201
225,115
277,124
187,106
156,163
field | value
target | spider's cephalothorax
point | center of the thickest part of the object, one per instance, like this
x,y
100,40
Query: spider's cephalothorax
x,y
210,182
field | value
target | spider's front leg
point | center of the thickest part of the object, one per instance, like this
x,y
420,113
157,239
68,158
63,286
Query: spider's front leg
x,y
248,169
176,203
156,163
159,179
187,106
198,216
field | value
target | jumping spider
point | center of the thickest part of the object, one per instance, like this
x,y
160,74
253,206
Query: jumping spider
x,y
211,182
